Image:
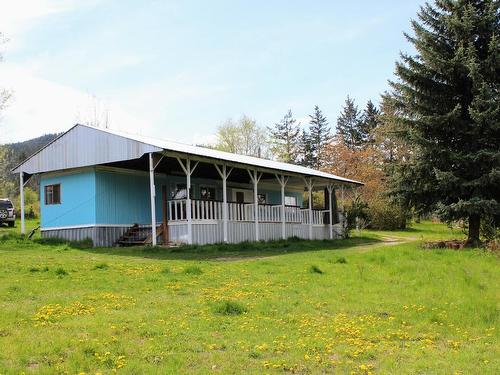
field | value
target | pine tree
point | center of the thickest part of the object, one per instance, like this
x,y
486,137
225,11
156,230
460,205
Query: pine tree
x,y
348,124
369,122
448,96
306,157
319,134
285,139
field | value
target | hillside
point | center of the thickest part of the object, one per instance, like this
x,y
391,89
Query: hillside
x,y
13,153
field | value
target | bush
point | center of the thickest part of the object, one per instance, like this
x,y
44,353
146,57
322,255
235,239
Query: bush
x,y
86,243
315,269
230,308
341,260
61,272
384,215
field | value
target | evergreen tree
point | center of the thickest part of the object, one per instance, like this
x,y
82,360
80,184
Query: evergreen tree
x,y
348,124
319,135
285,139
448,96
306,157
369,122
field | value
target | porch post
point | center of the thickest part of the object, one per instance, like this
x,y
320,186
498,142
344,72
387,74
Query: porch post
x,y
330,190
224,174
152,195
21,193
282,181
255,177
188,201
188,171
309,185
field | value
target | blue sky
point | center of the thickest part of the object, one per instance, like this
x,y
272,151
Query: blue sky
x,y
178,69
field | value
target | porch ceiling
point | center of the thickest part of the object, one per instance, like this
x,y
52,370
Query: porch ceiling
x,y
206,169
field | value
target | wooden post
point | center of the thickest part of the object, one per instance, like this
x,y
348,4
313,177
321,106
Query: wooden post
x,y
255,177
282,181
309,184
224,174
152,195
188,170
165,213
21,193
330,208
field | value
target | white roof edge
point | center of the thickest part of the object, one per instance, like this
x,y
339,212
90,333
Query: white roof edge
x,y
209,153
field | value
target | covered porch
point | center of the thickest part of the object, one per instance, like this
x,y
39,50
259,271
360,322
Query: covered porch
x,y
236,203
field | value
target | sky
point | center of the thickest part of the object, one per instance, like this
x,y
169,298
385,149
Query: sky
x,y
179,69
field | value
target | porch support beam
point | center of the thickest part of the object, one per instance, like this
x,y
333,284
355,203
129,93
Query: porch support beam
x,y
309,185
188,170
224,174
255,177
329,187
282,180
21,193
152,194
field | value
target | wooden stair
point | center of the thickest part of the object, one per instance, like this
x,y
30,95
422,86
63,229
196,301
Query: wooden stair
x,y
137,236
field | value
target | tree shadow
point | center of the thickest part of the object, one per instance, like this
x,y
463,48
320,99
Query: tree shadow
x,y
231,251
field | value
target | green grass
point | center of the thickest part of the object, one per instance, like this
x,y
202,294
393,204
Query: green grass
x,y
254,308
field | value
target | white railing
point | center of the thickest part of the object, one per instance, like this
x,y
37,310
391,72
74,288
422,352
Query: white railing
x,y
200,209
213,210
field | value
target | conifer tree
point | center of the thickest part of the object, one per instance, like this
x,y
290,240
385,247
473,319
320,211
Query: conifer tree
x,y
306,157
369,122
448,95
285,140
348,125
319,135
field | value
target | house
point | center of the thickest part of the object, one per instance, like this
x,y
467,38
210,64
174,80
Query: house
x,y
118,188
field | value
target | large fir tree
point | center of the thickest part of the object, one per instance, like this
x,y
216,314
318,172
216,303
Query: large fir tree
x,y
306,157
368,123
448,94
285,139
348,124
319,135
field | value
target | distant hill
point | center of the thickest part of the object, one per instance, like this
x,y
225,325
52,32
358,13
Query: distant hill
x,y
12,155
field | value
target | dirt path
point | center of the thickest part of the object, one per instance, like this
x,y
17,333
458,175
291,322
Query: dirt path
x,y
385,241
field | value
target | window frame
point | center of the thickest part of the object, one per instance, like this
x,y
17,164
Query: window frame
x,y
49,192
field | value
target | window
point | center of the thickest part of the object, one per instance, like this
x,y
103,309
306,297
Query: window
x,y
180,192
261,198
53,194
207,193
290,201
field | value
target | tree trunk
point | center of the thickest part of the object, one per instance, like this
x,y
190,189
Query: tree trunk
x,y
473,239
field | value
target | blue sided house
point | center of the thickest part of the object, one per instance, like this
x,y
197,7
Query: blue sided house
x,y
121,189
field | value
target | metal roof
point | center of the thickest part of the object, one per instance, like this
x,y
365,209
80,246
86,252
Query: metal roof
x,y
84,145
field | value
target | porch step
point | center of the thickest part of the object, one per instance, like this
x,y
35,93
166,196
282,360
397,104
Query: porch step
x,y
136,235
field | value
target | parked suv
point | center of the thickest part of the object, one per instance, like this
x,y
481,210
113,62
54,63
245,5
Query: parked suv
x,y
7,212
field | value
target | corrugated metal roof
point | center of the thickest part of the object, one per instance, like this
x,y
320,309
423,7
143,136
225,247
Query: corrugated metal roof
x,y
165,145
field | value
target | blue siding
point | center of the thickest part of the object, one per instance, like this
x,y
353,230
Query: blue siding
x,y
123,198
77,199
91,196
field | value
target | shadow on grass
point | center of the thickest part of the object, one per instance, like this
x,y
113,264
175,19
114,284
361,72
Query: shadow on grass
x,y
233,251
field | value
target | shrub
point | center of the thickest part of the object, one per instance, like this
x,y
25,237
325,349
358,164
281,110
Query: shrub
x,y
193,270
54,241
230,308
341,260
384,215
315,269
61,272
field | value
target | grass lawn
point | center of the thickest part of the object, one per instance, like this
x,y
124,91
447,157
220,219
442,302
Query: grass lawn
x,y
376,303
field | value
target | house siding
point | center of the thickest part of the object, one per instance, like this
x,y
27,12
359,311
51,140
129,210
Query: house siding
x,y
78,197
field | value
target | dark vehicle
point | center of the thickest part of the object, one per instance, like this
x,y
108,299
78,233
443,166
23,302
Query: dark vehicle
x,y
7,212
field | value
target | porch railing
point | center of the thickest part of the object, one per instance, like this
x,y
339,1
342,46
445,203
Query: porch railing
x,y
213,210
